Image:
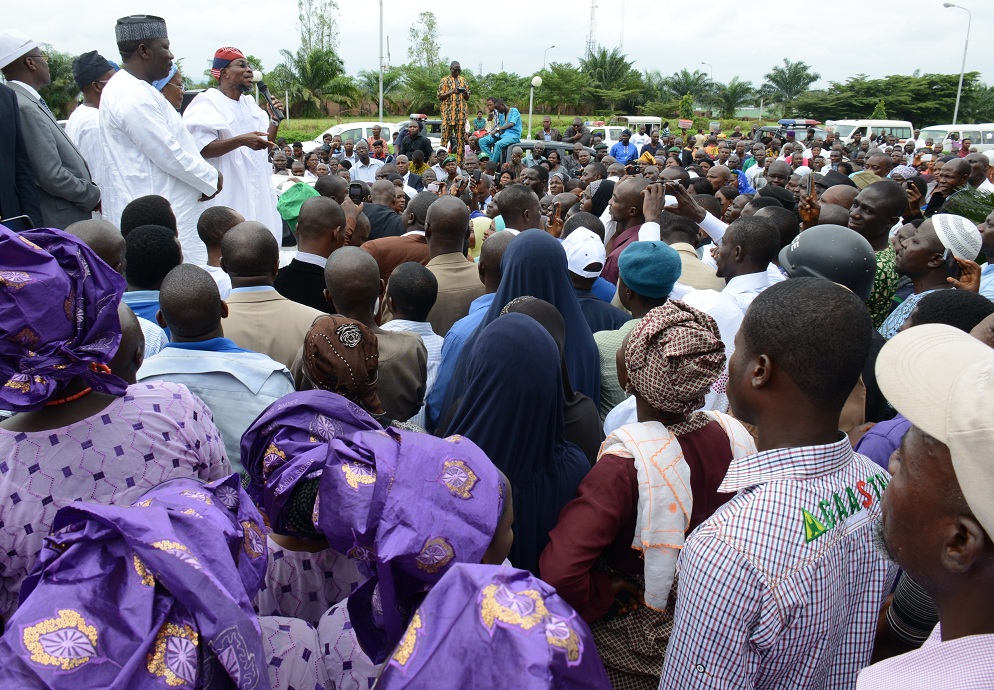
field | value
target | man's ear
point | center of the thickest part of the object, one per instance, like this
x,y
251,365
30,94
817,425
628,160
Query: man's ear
x,y
383,288
327,296
160,319
224,309
761,371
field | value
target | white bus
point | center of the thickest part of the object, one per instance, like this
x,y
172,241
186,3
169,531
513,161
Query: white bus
x,y
845,129
981,136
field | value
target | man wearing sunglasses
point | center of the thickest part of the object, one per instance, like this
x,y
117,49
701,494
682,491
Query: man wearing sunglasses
x,y
66,192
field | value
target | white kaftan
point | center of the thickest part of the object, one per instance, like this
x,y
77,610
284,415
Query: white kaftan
x,y
83,130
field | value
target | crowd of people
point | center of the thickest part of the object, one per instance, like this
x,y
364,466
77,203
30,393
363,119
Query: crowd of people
x,y
688,411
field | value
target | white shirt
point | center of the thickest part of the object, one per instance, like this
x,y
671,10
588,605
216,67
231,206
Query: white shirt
x,y
365,172
148,151
212,116
308,258
745,288
640,140
83,130
221,278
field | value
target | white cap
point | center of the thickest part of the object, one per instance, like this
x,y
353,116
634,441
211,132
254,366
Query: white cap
x,y
942,380
584,249
14,44
958,234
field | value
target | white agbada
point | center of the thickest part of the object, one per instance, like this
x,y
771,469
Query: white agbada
x,y
247,174
83,130
148,151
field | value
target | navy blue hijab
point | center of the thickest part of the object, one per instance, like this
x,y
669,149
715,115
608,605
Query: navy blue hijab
x,y
513,410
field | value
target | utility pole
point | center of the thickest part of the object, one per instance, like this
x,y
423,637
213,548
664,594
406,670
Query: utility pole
x,y
590,28
381,61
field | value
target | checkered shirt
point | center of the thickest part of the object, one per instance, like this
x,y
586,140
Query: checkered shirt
x,y
960,664
781,588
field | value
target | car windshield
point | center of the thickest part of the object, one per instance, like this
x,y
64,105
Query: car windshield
x,y
844,130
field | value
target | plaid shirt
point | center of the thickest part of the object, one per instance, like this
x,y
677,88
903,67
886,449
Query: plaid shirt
x,y
781,588
960,664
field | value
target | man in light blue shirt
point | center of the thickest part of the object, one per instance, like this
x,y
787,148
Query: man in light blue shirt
x,y
624,152
236,384
507,133
987,247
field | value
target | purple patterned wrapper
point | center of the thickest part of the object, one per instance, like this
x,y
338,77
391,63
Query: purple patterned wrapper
x,y
485,626
149,596
58,316
408,507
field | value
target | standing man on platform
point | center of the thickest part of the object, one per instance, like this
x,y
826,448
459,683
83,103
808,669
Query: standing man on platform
x,y
453,92
146,146
234,135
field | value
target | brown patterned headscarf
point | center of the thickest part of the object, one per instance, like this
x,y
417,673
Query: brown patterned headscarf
x,y
341,356
674,355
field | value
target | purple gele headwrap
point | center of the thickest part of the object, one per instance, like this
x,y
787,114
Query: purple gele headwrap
x,y
58,317
150,596
289,440
408,507
488,626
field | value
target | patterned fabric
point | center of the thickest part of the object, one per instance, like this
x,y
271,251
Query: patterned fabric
x,y
183,562
58,317
292,654
789,571
884,285
340,355
960,664
157,431
346,665
494,627
665,497
674,355
892,324
224,57
455,108
304,584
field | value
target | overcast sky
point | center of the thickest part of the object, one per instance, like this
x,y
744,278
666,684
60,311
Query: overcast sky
x,y
838,39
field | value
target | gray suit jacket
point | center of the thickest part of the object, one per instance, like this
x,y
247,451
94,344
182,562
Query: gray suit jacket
x,y
65,190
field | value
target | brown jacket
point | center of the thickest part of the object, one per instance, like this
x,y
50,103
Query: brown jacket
x,y
267,322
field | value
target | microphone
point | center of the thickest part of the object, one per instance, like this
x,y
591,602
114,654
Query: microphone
x,y
264,90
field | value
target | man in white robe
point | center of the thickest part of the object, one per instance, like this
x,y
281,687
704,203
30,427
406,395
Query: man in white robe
x,y
91,71
234,135
146,147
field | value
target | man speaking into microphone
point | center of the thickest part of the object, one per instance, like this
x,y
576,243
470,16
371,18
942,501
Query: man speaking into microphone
x,y
235,135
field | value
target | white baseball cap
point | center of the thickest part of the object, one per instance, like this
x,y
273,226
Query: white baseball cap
x,y
942,380
583,250
14,44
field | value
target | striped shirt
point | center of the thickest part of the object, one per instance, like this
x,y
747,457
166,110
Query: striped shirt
x,y
433,344
781,588
960,664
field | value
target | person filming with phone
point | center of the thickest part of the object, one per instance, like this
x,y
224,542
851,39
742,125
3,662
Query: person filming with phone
x,y
453,92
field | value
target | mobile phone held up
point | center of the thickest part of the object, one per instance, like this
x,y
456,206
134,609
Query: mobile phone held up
x,y
355,192
952,268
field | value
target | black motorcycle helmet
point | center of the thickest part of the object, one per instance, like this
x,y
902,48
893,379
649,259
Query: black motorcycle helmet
x,y
834,253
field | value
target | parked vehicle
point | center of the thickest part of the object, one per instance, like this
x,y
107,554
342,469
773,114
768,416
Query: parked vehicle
x,y
563,148
353,131
981,136
845,129
611,133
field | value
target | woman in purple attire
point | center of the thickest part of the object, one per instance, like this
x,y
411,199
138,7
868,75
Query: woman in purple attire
x,y
80,432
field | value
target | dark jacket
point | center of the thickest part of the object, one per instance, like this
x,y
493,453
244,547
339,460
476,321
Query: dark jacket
x,y
383,221
18,193
419,143
304,284
414,182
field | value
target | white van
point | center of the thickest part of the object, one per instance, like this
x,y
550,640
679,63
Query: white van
x,y
611,134
981,136
844,129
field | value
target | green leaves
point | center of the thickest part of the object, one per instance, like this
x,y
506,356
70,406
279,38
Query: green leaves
x,y
312,78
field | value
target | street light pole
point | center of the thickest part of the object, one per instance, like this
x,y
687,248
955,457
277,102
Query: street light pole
x,y
712,69
381,62
536,82
966,45
544,55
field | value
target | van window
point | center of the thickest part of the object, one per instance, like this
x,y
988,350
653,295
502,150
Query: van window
x,y
971,134
843,131
935,135
354,134
988,135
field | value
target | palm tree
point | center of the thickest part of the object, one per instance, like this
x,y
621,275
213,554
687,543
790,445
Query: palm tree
x,y
684,82
728,98
611,77
313,78
368,83
784,84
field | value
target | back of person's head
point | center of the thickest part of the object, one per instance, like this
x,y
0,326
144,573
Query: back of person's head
x,y
333,187
447,222
412,291
583,219
512,203
352,278
103,238
151,251
701,185
492,253
814,332
319,217
214,222
786,222
417,209
148,210
758,238
709,203
598,168
382,192
674,229
249,249
960,309
729,192
833,215
759,202
190,302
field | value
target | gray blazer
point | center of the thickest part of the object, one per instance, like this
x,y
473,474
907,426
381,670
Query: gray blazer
x,y
65,190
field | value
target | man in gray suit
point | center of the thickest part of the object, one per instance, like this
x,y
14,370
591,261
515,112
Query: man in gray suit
x,y
65,189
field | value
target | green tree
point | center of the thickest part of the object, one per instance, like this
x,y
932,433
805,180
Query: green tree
x,y
423,48
686,107
727,98
879,111
786,83
313,78
684,82
978,104
611,78
562,87
317,24
61,93
368,83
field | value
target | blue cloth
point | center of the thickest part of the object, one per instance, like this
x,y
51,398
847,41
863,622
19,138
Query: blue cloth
x,y
649,268
892,324
494,146
211,345
236,384
144,303
880,442
600,315
623,154
744,186
987,281
452,347
513,410
534,265
604,290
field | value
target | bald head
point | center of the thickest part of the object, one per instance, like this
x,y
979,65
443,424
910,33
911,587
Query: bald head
x,y
333,187
215,222
321,218
190,304
840,195
779,173
131,351
491,255
104,239
382,192
446,225
352,280
249,252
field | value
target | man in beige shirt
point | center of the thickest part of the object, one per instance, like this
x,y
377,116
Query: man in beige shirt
x,y
447,228
259,318
681,234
